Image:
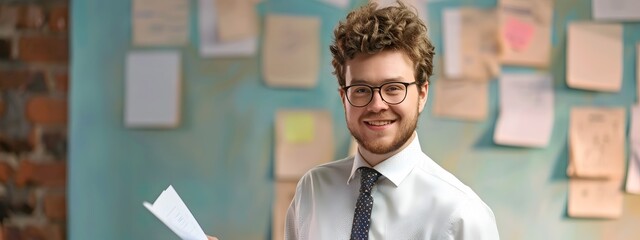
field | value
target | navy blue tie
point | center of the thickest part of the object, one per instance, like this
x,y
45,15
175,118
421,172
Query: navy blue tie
x,y
362,215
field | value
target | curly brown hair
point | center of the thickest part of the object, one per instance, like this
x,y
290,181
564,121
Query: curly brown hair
x,y
371,30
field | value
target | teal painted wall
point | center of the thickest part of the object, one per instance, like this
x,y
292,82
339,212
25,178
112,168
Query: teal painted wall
x,y
220,159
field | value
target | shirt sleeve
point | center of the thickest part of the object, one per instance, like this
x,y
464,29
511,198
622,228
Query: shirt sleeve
x,y
472,220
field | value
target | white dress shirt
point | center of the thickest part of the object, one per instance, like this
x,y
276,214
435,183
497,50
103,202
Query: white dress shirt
x,y
414,199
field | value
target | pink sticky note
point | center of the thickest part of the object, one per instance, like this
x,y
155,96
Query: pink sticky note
x,y
518,33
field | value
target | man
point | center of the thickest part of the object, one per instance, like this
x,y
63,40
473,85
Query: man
x,y
390,189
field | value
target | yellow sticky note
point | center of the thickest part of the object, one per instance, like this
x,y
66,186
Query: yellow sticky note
x,y
299,127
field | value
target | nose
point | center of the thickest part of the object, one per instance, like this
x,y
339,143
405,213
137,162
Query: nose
x,y
377,104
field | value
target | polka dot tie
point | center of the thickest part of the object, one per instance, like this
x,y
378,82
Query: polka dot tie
x,y
362,215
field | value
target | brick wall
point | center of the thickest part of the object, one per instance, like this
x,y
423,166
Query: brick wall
x,y
34,80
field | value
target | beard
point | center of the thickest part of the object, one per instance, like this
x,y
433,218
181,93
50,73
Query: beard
x,y
405,130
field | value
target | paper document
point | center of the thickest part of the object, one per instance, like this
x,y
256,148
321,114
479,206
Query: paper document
x,y
170,209
160,22
633,173
461,99
210,41
526,110
594,68
525,31
616,10
595,198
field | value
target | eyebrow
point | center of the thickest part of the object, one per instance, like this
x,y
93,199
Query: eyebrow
x,y
360,81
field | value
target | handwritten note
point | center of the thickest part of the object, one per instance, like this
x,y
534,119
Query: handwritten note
x,y
616,10
291,53
596,142
526,110
171,210
160,22
525,32
461,99
237,19
294,158
594,68
299,127
595,198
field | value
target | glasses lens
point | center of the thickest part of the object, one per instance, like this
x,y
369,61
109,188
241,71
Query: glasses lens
x,y
359,95
393,93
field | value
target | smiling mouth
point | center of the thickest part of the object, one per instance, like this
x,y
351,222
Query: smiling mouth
x,y
378,123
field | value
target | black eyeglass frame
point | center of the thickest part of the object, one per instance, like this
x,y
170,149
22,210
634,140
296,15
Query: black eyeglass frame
x,y
406,90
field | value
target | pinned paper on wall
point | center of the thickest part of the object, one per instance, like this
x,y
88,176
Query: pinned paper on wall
x,y
594,68
160,22
525,32
337,3
210,43
526,110
461,99
237,19
471,50
299,127
616,10
152,89
284,193
294,158
291,52
419,5
633,171
596,142
595,198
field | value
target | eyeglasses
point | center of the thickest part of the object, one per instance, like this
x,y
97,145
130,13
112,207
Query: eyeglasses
x,y
393,93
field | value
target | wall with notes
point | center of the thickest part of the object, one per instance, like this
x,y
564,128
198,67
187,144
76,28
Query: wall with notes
x,y
220,157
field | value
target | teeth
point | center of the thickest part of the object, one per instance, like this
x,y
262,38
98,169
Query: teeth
x,y
379,123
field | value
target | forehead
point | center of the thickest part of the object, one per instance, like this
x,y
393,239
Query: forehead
x,y
380,67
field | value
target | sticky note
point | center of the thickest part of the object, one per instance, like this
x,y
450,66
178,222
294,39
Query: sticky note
x,y
299,128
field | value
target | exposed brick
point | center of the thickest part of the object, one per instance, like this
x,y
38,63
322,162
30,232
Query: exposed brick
x,y
44,48
5,49
46,110
14,126
5,172
23,79
55,206
30,16
11,232
46,232
59,18
1,108
55,143
51,174
8,17
62,82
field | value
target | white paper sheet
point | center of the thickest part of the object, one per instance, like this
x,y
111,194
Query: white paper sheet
x,y
452,26
152,89
172,211
210,45
633,171
617,10
526,110
594,68
160,22
338,3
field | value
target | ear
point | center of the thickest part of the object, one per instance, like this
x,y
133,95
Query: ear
x,y
422,96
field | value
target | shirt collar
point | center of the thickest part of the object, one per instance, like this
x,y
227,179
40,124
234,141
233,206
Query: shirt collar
x,y
397,167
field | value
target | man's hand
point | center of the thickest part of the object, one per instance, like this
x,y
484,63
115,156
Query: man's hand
x,y
211,238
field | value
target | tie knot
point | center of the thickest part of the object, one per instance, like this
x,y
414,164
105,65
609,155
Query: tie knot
x,y
368,177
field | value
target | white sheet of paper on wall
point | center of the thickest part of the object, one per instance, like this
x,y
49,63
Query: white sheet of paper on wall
x,y
210,43
461,99
285,192
237,19
160,22
616,10
338,3
595,198
596,142
633,171
303,140
291,52
594,68
526,110
152,89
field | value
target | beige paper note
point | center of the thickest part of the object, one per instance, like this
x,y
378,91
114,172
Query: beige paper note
x,y
633,171
595,198
525,32
596,142
304,139
594,68
237,19
461,99
285,191
473,31
291,56
160,22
